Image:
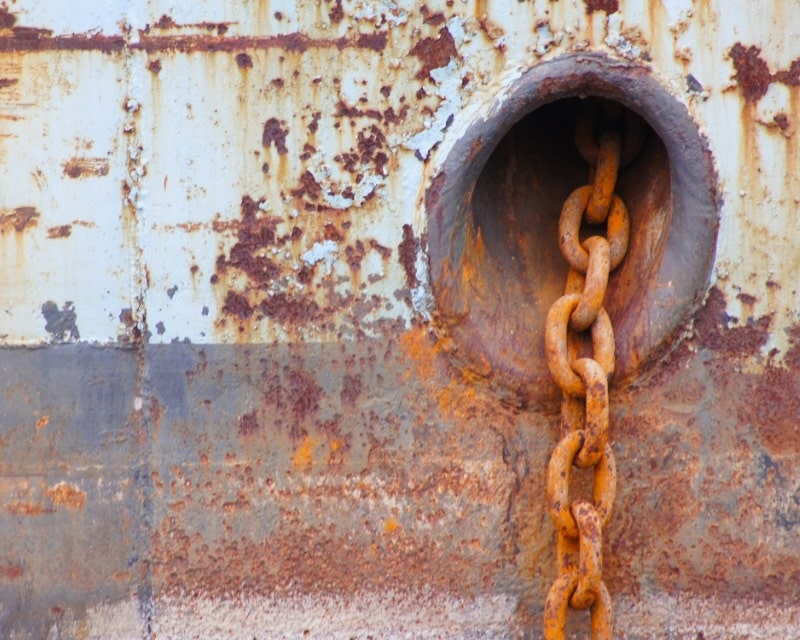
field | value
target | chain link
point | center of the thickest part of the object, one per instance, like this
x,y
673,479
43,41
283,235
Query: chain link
x,y
584,380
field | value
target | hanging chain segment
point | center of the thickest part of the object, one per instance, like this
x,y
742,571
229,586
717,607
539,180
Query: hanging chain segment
x,y
584,380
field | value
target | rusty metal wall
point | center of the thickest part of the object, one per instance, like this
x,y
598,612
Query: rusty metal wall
x,y
229,407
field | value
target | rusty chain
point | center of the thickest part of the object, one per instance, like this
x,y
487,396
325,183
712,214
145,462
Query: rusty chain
x,y
584,380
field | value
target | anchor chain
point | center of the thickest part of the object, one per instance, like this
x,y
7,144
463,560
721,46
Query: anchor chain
x,y
584,380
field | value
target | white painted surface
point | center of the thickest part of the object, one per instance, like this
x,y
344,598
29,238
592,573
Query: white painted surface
x,y
196,147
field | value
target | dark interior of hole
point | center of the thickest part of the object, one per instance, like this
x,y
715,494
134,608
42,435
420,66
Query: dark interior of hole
x,y
518,198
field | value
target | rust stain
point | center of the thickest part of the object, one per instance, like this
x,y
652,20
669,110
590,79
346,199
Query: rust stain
x,y
31,39
746,298
752,72
391,525
753,75
351,388
84,223
781,121
63,494
466,278
244,61
407,254
235,505
608,6
42,422
718,331
344,110
20,508
288,309
325,558
11,571
21,39
80,167
166,22
275,134
248,424
374,41
313,560
423,349
236,304
303,457
297,392
61,231
307,187
18,219
434,53
774,403
256,235
132,332
490,28
7,19
435,19
371,146
291,42
773,409
336,14
461,395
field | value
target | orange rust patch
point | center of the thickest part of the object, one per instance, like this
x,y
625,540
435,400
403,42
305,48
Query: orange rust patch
x,y
42,422
18,219
66,495
303,457
457,399
81,167
391,525
423,350
460,396
337,450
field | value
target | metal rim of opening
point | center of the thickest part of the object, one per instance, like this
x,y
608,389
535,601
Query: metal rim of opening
x,y
668,295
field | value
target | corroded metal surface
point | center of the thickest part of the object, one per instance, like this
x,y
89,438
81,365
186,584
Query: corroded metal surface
x,y
493,261
230,402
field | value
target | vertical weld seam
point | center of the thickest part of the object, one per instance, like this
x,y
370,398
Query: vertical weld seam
x,y
137,283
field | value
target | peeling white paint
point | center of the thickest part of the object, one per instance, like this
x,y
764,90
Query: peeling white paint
x,y
322,252
448,83
186,140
